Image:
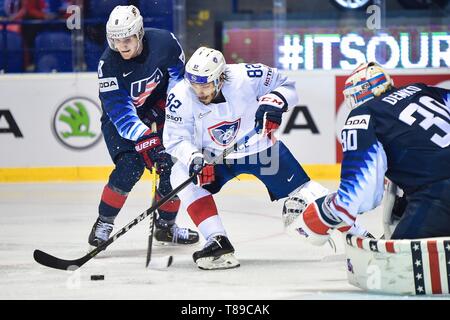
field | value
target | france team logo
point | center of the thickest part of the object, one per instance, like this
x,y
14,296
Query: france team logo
x,y
224,132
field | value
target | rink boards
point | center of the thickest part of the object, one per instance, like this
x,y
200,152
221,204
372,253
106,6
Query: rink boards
x,y
50,124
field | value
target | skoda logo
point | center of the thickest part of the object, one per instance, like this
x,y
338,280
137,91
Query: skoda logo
x,y
76,123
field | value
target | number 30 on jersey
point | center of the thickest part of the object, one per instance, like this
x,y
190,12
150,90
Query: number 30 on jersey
x,y
349,140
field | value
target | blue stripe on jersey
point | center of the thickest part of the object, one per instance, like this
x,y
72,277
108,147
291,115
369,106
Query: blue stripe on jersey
x,y
357,169
347,188
135,130
447,101
122,113
176,72
125,128
126,119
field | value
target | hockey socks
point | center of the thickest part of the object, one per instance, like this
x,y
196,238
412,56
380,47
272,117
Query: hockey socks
x,y
111,203
169,210
203,213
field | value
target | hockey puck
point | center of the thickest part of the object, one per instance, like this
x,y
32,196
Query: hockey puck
x,y
97,277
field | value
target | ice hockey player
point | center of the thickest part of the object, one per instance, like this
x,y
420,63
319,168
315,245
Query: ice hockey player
x,y
134,74
215,106
401,133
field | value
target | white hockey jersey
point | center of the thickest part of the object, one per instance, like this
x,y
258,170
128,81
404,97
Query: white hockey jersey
x,y
192,126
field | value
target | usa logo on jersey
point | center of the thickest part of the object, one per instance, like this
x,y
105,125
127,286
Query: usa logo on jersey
x,y
224,132
141,89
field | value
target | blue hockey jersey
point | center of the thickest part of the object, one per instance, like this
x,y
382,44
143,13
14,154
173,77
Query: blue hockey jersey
x,y
131,90
404,135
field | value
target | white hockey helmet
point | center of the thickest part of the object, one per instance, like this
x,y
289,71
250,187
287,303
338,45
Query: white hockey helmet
x,y
123,22
206,65
367,81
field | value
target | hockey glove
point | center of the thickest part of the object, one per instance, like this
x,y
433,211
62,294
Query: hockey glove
x,y
269,113
309,214
152,151
306,214
205,172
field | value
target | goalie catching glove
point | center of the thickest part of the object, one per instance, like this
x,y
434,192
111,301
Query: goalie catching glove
x,y
205,172
308,214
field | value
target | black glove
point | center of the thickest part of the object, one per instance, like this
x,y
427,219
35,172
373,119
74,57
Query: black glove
x,y
272,107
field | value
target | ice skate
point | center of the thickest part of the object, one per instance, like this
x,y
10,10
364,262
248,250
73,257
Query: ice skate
x,y
100,233
166,233
218,253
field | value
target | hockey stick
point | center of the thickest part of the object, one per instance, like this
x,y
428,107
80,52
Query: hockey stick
x,y
152,216
152,219
56,263
161,263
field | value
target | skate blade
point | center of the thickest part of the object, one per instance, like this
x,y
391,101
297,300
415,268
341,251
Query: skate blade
x,y
226,261
163,243
173,244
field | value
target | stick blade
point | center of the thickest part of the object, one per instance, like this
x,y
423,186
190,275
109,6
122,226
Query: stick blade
x,y
149,255
50,261
160,263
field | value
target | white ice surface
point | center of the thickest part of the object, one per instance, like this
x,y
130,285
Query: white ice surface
x,y
57,218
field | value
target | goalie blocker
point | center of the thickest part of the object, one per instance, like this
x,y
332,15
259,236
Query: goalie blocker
x,y
405,267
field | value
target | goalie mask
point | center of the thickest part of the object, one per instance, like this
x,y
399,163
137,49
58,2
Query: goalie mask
x,y
367,81
123,22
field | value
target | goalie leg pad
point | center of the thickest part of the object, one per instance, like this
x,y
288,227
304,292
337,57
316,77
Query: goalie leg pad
x,y
404,267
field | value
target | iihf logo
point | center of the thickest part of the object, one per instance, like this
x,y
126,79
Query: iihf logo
x,y
224,132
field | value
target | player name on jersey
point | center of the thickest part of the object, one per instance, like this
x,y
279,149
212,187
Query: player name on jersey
x,y
401,94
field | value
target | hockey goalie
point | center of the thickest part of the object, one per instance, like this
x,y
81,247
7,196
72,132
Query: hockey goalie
x,y
402,134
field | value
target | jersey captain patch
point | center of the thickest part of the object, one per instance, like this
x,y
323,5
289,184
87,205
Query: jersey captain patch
x,y
224,132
